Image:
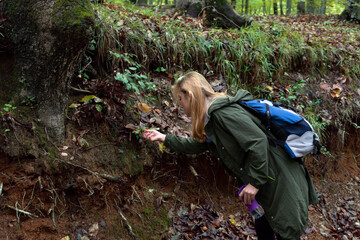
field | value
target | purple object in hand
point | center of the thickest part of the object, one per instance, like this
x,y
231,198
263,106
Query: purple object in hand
x,y
255,209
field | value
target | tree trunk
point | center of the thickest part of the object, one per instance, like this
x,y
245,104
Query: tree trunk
x,y
352,11
275,8
281,8
310,7
288,7
222,14
301,8
49,37
233,3
323,7
264,7
246,6
218,12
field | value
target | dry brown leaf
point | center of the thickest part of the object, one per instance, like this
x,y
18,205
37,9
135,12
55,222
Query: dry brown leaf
x,y
131,127
335,93
325,87
144,107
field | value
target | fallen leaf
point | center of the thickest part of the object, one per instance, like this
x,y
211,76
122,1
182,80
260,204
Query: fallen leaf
x,y
325,87
144,107
64,154
74,105
161,147
131,127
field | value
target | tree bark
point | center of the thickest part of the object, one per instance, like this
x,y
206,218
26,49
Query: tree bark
x,y
323,7
288,7
264,7
218,12
310,7
222,14
233,3
281,8
301,7
275,8
352,11
246,6
48,37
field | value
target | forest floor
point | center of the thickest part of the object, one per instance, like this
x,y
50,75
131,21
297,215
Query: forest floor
x,y
164,202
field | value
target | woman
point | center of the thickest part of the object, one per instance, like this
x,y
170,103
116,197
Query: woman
x,y
279,183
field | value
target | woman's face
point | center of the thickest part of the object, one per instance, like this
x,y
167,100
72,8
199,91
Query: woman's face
x,y
185,103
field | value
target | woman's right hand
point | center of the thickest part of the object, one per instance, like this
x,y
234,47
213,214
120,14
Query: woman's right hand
x,y
153,135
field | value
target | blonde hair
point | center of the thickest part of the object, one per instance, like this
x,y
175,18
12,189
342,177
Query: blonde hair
x,y
194,86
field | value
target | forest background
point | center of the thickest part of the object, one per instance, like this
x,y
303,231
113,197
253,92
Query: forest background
x,y
80,81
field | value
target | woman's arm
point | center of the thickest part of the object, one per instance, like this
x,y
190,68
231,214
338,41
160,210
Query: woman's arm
x,y
186,145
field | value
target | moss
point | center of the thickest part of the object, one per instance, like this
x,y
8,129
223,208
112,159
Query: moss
x,y
73,16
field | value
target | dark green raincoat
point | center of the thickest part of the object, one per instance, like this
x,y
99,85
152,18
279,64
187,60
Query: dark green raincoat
x,y
239,141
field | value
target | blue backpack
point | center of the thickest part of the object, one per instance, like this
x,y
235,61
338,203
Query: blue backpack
x,y
292,131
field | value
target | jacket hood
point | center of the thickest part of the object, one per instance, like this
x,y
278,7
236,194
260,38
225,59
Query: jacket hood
x,y
225,101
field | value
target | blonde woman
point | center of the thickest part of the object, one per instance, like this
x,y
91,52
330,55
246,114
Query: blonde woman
x,y
240,142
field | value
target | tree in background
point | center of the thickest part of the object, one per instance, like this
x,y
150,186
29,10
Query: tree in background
x,y
352,11
288,7
48,39
218,12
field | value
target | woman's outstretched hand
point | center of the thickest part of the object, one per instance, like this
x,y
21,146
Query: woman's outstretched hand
x,y
247,195
153,135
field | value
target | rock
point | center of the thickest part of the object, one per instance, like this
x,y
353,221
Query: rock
x,y
102,223
93,230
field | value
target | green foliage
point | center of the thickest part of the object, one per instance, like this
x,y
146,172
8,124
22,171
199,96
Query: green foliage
x,y
246,56
8,108
133,80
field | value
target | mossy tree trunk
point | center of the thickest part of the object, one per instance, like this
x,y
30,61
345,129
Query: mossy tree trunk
x,y
49,37
352,11
218,12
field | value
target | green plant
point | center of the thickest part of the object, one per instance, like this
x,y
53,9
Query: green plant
x,y
292,92
138,132
7,108
131,77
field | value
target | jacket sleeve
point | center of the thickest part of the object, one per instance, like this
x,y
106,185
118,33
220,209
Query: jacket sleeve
x,y
186,145
239,127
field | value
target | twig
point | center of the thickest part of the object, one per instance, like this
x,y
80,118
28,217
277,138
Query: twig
x,y
133,187
354,160
99,145
209,197
21,211
103,175
88,187
165,174
80,90
1,187
126,221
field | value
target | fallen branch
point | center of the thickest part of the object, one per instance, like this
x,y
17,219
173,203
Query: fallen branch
x,y
21,211
80,90
103,175
133,187
126,221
